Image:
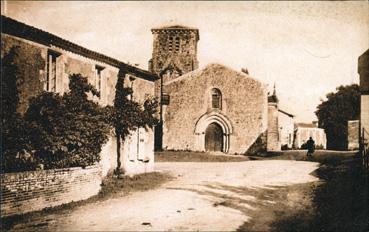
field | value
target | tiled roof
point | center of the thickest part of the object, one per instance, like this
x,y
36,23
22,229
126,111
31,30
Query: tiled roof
x,y
306,125
288,114
177,27
18,29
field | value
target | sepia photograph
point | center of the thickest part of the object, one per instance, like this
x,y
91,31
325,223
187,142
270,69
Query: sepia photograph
x,y
184,116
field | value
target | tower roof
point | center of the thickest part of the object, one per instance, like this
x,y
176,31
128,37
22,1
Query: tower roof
x,y
174,28
273,98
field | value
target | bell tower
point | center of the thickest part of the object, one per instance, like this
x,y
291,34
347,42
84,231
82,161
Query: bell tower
x,y
174,51
174,54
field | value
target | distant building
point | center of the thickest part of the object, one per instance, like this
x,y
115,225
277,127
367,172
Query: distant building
x,y
286,128
363,70
303,131
46,61
353,132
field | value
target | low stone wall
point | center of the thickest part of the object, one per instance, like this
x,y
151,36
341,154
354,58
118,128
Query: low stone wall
x,y
24,192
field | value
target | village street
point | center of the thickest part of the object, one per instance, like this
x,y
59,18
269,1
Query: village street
x,y
203,196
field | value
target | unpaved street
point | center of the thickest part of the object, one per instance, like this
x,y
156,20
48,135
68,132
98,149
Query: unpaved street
x,y
203,196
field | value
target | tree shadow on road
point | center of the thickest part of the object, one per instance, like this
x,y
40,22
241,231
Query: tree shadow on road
x,y
262,205
340,203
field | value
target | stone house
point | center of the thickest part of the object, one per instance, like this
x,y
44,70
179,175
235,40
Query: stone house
x,y
210,109
305,130
46,62
286,128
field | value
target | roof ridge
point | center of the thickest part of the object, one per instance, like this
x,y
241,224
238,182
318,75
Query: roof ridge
x,y
19,29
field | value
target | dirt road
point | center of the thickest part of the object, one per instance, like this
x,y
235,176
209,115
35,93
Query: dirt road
x,y
203,196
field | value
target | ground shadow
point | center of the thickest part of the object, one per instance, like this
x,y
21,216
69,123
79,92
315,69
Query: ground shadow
x,y
262,205
341,203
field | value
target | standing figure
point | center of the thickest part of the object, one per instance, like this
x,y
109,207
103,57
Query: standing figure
x,y
310,146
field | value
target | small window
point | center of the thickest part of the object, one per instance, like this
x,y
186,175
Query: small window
x,y
98,75
216,99
165,99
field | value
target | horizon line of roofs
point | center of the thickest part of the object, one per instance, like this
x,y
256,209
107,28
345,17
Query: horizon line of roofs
x,y
13,27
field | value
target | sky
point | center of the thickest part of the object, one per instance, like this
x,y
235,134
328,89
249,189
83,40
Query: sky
x,y
306,49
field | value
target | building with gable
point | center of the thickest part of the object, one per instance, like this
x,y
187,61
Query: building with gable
x,y
210,109
46,61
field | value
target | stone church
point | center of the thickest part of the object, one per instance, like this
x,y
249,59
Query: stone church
x,y
210,109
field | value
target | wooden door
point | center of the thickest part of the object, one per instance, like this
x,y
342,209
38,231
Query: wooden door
x,y
214,138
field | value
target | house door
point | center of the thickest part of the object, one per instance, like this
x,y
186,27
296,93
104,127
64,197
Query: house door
x,y
214,138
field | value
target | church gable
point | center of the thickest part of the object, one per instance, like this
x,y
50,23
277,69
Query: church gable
x,y
215,71
214,92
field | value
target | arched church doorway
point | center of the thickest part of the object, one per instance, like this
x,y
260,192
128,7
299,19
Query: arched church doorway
x,y
214,137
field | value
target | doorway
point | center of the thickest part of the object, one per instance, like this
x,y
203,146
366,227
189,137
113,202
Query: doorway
x,y
214,137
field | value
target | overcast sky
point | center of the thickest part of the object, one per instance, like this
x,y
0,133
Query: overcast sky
x,y
306,48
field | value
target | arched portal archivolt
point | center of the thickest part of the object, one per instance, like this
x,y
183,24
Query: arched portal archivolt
x,y
207,119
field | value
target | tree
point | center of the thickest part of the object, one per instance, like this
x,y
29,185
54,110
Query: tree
x,y
334,113
127,115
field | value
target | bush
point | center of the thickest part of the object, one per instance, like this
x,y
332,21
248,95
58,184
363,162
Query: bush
x,y
59,131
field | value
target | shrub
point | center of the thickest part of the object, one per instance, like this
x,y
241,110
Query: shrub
x,y
69,130
58,131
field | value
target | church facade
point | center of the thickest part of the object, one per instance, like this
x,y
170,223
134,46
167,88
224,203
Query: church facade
x,y
210,109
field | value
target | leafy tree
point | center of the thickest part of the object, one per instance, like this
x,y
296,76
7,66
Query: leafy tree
x,y
334,113
127,116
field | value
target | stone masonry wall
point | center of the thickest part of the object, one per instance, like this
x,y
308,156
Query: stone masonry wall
x,y
273,139
176,46
24,192
244,104
353,129
31,60
32,65
176,56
